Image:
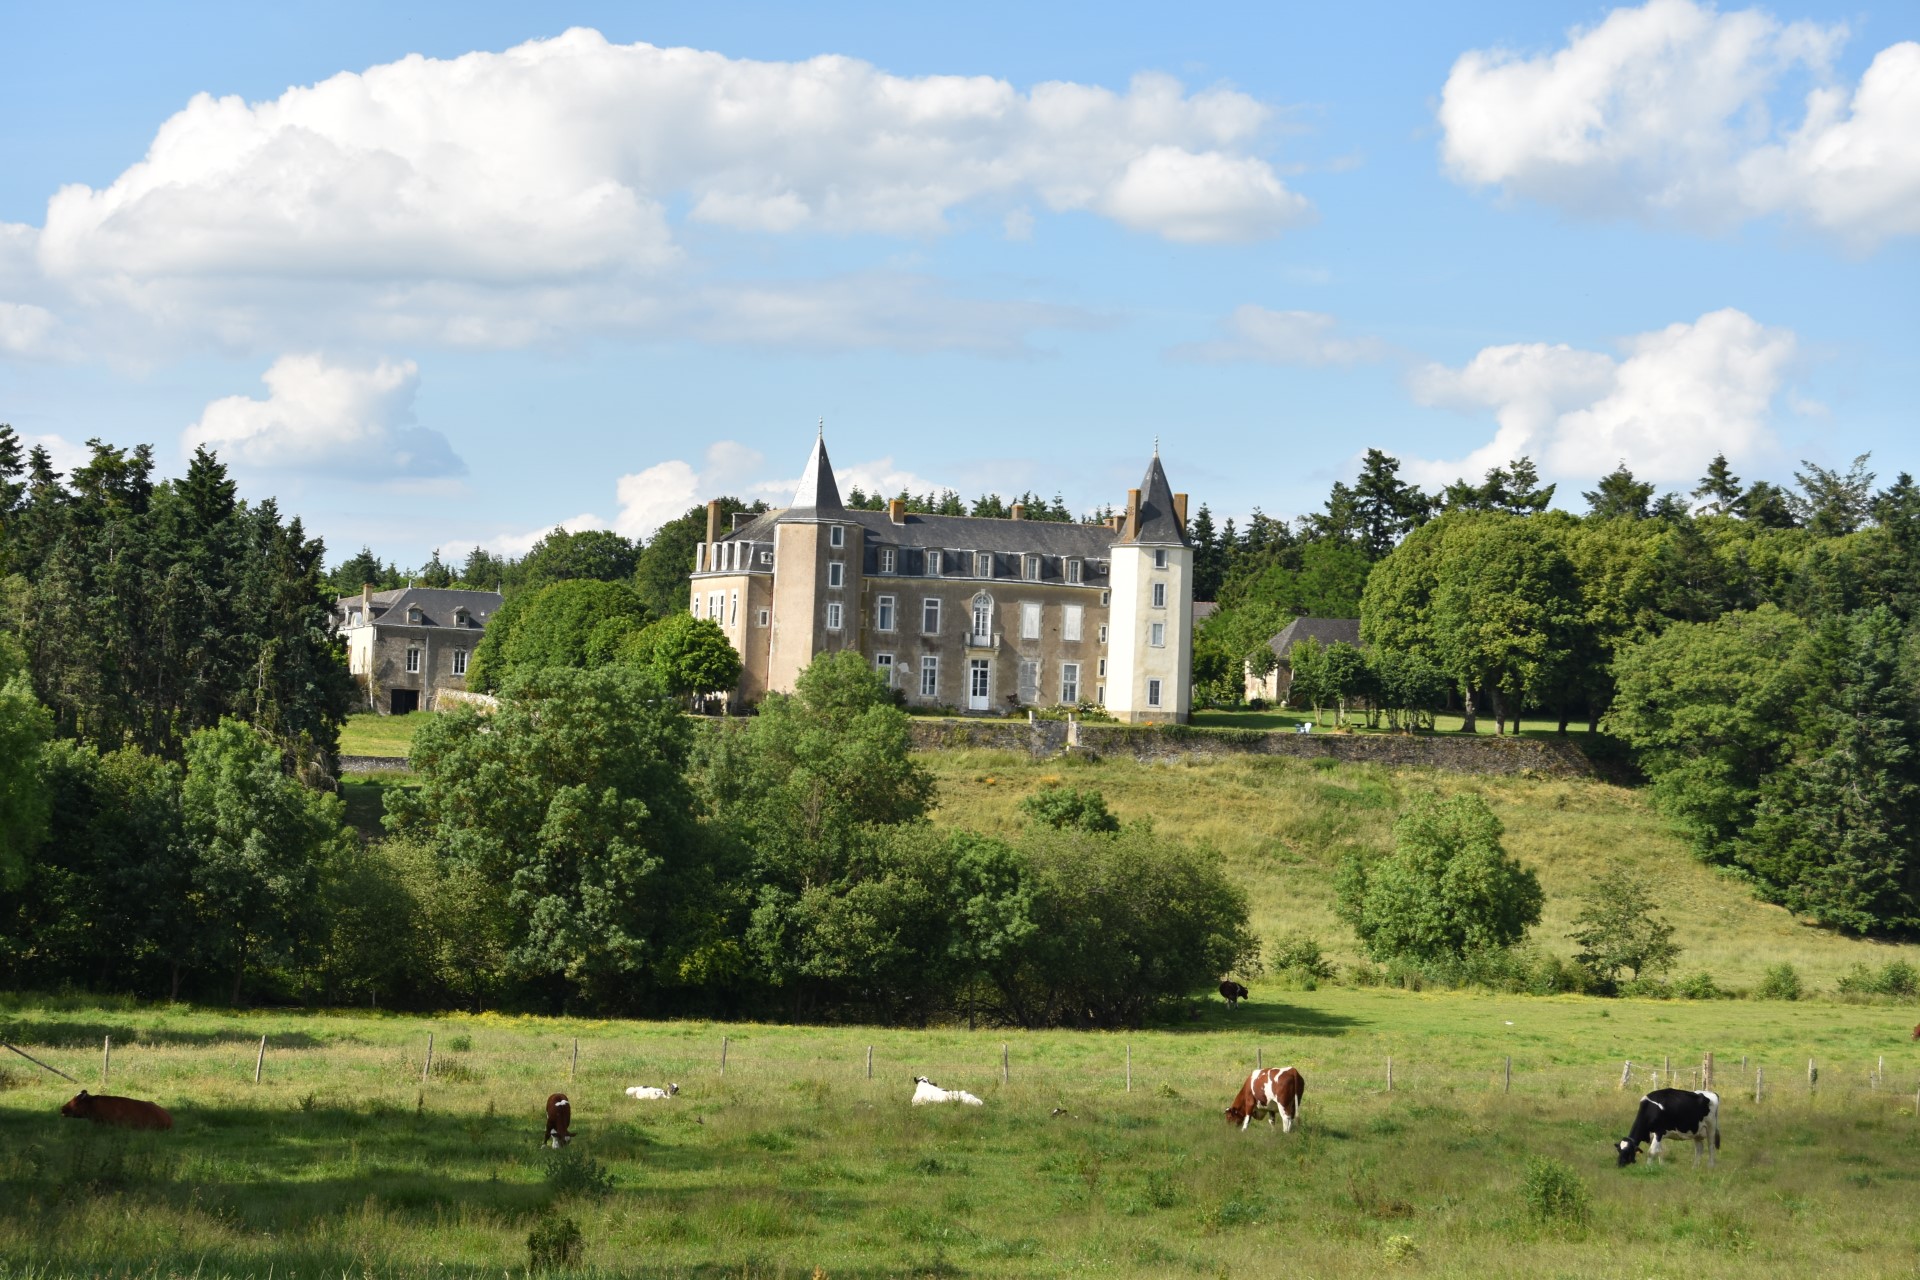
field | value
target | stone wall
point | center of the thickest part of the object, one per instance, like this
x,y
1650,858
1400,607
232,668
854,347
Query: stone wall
x,y
373,764
1458,753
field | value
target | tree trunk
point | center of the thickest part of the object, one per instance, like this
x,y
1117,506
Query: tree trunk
x,y
1499,712
173,988
1467,722
239,974
1564,718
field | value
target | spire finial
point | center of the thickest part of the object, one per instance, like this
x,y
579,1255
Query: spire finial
x,y
823,427
1156,446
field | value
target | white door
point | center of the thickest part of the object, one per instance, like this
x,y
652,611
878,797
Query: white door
x,y
979,683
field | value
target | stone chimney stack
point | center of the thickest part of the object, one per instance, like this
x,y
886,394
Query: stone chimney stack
x,y
706,559
1130,527
1019,511
897,510
366,602
1180,509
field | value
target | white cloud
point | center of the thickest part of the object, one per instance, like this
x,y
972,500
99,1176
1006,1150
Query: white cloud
x,y
1678,396
1667,112
500,198
1282,337
322,416
24,328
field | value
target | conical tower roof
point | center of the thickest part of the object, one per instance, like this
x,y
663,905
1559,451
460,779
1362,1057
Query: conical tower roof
x,y
819,493
1158,523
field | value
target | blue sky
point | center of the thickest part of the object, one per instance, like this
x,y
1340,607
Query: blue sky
x,y
488,277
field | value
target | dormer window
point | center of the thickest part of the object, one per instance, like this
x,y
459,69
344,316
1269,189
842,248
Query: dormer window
x,y
983,564
460,615
837,535
933,564
887,559
1030,566
1073,569
413,615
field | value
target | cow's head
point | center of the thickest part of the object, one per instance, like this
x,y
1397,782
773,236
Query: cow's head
x,y
78,1107
1236,1114
1628,1149
672,1089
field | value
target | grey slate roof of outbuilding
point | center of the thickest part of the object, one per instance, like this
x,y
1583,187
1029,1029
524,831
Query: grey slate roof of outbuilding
x,y
436,604
1325,630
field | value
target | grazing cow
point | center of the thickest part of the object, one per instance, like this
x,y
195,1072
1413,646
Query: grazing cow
x,y
1232,992
647,1092
559,1121
1677,1112
121,1113
1916,1033
1269,1092
926,1091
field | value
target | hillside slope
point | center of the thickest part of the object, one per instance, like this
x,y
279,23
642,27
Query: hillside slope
x,y
1283,826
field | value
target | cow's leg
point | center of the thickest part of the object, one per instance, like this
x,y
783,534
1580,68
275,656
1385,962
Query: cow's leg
x,y
1286,1121
1653,1148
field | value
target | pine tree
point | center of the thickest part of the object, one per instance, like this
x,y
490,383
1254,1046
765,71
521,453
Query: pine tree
x,y
1207,574
1619,495
1384,506
1719,490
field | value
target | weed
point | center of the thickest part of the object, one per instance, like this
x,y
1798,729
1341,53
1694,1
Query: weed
x,y
1163,1190
459,1044
1555,1196
554,1244
1781,982
309,1100
572,1172
1399,1249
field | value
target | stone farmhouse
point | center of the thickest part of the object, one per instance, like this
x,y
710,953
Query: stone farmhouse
x,y
408,646
977,615
1277,684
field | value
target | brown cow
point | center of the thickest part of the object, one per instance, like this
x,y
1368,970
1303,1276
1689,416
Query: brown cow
x,y
1232,992
122,1113
1270,1092
559,1120
1916,1033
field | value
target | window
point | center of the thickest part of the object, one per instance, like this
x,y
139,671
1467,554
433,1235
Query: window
x,y
933,564
929,677
714,603
837,535
982,564
1070,621
1100,694
1159,595
1159,557
836,573
1029,681
1030,568
833,616
763,617
883,614
1157,635
1153,693
1101,669
930,617
886,559
1106,598
977,679
982,617
696,604
1069,682
1073,571
413,661
1103,633
883,663
766,557
459,662
733,609
1029,622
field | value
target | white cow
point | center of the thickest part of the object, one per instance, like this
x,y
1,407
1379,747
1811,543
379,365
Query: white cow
x,y
926,1091
646,1092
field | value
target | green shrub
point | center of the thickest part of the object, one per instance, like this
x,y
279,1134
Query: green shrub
x,y
1301,953
1896,979
1700,986
554,1244
1646,989
575,1173
459,1044
1781,982
1555,1195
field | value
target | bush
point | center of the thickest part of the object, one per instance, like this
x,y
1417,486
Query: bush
x,y
1069,808
575,1173
1781,982
1555,1195
1646,989
554,1244
1301,954
1700,986
1896,979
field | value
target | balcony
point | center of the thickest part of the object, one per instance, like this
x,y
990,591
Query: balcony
x,y
982,639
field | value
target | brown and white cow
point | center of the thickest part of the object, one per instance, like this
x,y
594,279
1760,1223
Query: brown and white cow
x,y
559,1120
1232,992
1269,1092
121,1113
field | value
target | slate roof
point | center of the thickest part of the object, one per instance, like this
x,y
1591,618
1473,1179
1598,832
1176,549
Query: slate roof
x,y
1326,630
818,496
1202,610
1158,525
436,606
957,533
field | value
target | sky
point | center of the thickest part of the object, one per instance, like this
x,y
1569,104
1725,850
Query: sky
x,y
446,275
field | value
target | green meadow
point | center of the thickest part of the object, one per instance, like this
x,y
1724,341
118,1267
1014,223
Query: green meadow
x,y
342,1160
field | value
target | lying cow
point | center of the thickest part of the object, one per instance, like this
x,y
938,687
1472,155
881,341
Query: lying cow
x,y
647,1092
559,1121
121,1113
1271,1091
1232,992
1679,1112
926,1091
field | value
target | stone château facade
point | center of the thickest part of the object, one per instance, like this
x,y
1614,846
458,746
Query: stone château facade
x,y
979,615
408,645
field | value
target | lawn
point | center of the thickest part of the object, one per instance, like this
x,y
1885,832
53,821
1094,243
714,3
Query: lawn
x,y
342,1159
368,734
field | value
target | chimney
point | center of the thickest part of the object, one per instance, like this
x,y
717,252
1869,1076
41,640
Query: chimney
x,y
366,602
1180,509
1019,511
897,510
1130,527
713,521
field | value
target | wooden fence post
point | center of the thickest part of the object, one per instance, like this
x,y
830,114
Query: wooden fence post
x,y
106,1060
259,1059
1003,1062
427,1066
1256,1058
869,1062
1626,1072
573,1068
1758,1074
1389,1073
1706,1072
1129,1066
723,1055
1813,1075
1507,1084
1666,1068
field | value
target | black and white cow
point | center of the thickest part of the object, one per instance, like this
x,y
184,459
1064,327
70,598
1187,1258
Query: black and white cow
x,y
1681,1113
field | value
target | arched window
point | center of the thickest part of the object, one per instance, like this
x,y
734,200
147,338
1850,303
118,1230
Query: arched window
x,y
983,616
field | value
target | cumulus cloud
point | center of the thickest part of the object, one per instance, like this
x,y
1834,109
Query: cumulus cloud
x,y
1282,337
498,197
1668,112
25,329
323,416
1671,400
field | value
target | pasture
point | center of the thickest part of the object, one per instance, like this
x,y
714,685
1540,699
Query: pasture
x,y
342,1160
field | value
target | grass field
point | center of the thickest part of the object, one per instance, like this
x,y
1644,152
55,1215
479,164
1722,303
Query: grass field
x,y
375,735
342,1161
